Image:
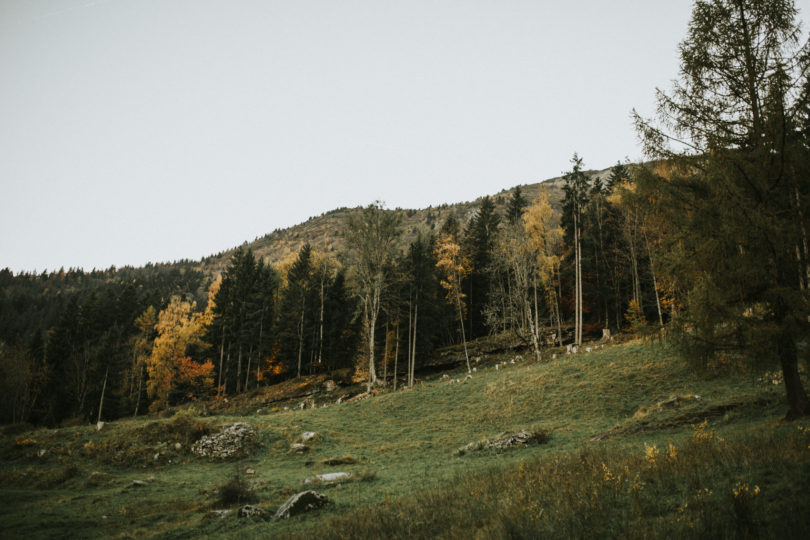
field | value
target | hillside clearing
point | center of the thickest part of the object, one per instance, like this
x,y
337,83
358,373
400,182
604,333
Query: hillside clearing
x,y
400,447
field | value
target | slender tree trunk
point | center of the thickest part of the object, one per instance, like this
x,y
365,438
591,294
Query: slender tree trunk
x,y
557,296
396,359
579,297
260,348
247,369
221,356
140,388
227,367
534,331
103,388
413,350
385,355
463,337
410,322
239,370
372,372
320,324
655,283
536,309
301,335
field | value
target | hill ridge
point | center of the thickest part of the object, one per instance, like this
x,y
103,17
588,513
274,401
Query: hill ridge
x,y
324,232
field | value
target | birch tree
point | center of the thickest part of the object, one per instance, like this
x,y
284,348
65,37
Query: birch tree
x,y
371,234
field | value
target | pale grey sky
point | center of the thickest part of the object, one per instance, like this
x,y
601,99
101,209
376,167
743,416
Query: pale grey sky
x,y
153,130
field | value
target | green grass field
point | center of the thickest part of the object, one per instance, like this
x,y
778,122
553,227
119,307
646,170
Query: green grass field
x,y
615,464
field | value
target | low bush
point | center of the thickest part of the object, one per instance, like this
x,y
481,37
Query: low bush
x,y
237,490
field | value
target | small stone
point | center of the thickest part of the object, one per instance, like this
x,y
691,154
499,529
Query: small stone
x,y
218,514
178,446
300,503
328,478
307,436
298,448
251,511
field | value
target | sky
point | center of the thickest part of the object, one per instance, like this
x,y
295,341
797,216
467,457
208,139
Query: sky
x,y
135,131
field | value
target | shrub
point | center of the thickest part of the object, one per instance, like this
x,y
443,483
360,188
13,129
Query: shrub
x,y
237,490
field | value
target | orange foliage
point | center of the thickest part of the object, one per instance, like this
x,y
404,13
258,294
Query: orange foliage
x,y
196,379
271,366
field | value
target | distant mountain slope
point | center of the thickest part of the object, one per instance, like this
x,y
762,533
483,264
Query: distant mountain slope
x,y
325,232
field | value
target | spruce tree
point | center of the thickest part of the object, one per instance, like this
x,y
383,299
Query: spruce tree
x,y
514,209
479,244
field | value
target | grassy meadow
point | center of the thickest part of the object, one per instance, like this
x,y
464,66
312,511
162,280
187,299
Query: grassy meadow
x,y
623,459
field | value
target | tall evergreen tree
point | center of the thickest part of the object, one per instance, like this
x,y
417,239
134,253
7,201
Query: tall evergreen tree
x,y
479,244
734,195
514,208
576,190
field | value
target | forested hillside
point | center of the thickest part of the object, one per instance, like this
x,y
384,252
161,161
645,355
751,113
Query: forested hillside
x,y
705,244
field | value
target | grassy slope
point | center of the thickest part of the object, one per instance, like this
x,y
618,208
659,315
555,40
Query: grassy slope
x,y
407,438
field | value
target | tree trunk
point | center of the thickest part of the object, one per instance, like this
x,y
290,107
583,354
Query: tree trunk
x,y
140,389
557,296
372,372
413,350
247,369
578,279
385,355
655,283
301,335
534,331
101,401
239,370
320,324
463,337
259,352
410,323
221,356
396,358
798,404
